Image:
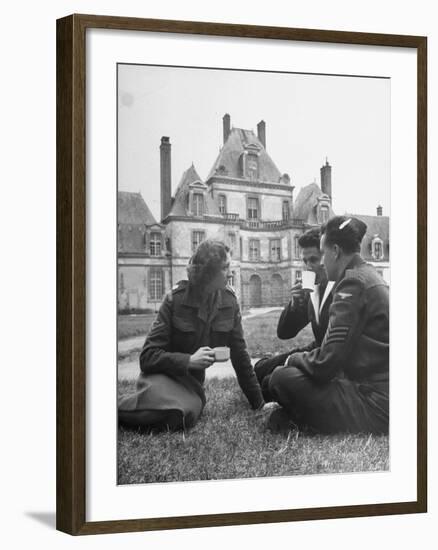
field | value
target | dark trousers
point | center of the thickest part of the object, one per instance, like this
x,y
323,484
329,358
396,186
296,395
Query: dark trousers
x,y
340,405
263,370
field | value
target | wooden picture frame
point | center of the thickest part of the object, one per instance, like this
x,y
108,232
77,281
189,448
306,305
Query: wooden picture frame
x,y
71,272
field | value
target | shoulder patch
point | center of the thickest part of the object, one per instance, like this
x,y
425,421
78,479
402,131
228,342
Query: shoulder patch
x,y
354,274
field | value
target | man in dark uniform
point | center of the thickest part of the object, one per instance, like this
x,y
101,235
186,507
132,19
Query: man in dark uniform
x,y
342,385
304,307
196,316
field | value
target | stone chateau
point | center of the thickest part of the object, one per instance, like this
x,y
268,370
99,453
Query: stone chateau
x,y
245,201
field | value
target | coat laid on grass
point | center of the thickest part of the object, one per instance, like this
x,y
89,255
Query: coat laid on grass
x,y
343,384
169,393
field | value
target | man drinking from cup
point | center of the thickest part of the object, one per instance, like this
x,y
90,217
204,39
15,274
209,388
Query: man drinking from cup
x,y
310,302
343,384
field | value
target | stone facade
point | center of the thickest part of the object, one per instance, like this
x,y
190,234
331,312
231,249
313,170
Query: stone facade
x,y
246,202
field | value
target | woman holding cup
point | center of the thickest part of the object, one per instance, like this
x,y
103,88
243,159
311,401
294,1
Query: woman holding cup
x,y
198,323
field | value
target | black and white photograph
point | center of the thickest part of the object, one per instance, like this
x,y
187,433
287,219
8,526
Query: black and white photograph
x,y
253,273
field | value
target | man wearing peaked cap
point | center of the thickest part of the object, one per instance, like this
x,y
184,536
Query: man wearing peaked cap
x,y
342,385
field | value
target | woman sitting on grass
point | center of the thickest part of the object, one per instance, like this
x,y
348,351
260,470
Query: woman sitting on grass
x,y
195,316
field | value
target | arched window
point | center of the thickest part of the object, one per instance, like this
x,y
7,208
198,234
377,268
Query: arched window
x,y
155,244
378,250
277,287
324,214
222,204
198,204
255,291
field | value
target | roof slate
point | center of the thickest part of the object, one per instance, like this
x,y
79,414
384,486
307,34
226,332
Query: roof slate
x,y
232,149
305,206
133,210
180,202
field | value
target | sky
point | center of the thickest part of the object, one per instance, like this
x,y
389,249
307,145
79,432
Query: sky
x,y
308,118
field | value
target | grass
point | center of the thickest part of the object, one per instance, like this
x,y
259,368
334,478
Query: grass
x,y
261,335
130,326
260,332
230,442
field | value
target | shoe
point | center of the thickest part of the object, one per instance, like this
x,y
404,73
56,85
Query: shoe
x,y
280,423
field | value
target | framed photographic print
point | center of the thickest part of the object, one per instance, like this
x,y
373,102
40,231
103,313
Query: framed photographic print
x,y
241,274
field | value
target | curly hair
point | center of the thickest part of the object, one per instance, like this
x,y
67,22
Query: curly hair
x,y
347,232
310,238
206,263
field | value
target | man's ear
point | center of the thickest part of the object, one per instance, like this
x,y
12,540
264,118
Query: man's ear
x,y
337,251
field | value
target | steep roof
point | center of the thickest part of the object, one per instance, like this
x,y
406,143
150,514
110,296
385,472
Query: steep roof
x,y
376,226
180,206
133,210
234,146
305,206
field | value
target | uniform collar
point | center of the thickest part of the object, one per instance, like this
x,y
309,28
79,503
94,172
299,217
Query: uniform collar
x,y
191,299
355,261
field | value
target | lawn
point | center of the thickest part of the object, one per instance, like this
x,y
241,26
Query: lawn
x,y
230,442
130,326
260,332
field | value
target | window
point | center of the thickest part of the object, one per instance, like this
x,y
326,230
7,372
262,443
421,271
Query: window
x,y
197,238
254,250
232,279
275,250
232,241
298,275
378,250
296,247
251,167
155,284
222,204
122,282
253,208
286,210
198,204
155,244
324,215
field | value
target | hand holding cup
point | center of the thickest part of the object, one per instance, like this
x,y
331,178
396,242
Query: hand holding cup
x,y
202,358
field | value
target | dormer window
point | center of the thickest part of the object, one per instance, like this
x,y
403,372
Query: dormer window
x,y
155,244
222,204
377,248
198,204
252,167
324,214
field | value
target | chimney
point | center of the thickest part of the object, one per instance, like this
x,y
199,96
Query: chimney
x,y
379,210
227,126
165,177
326,179
261,132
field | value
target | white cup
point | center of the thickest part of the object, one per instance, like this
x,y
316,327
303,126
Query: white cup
x,y
221,353
308,280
